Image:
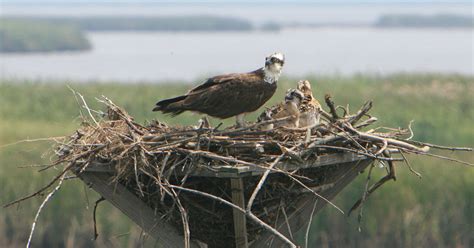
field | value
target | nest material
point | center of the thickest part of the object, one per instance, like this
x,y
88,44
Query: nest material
x,y
155,162
148,159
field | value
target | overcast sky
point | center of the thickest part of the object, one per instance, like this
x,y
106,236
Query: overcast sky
x,y
240,1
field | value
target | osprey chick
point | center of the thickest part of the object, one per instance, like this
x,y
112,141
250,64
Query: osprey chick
x,y
310,107
288,108
229,95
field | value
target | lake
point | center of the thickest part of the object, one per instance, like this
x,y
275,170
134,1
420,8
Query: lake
x,y
155,56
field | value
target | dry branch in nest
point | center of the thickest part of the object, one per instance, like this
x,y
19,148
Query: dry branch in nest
x,y
157,163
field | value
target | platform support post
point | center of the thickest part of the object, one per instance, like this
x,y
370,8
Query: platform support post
x,y
240,222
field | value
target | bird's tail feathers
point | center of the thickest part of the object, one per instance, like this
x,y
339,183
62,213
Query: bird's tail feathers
x,y
171,106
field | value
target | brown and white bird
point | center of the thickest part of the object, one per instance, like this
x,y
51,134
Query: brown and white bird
x,y
288,108
310,107
229,95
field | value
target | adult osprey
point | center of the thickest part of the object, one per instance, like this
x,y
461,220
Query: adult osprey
x,y
229,95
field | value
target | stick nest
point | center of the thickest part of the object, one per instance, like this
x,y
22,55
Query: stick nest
x,y
158,163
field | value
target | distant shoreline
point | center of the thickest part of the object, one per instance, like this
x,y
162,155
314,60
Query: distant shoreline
x,y
55,34
425,21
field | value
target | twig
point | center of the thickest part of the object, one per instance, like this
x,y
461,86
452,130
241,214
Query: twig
x,y
465,149
262,181
411,131
184,218
364,197
375,186
96,234
315,193
439,156
390,141
88,109
287,222
331,106
409,165
365,123
41,208
308,227
55,139
41,189
363,111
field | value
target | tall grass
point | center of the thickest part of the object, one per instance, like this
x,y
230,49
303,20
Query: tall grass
x,y
437,210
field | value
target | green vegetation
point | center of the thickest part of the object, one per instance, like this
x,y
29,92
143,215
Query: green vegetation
x,y
40,36
436,211
170,23
46,34
421,21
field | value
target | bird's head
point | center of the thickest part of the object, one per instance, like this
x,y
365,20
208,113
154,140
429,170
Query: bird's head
x,y
265,116
304,86
294,95
274,63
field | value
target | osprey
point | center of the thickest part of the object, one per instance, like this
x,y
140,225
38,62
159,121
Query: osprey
x,y
229,95
288,108
310,108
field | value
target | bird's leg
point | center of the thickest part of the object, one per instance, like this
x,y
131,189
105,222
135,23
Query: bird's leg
x,y
204,122
240,121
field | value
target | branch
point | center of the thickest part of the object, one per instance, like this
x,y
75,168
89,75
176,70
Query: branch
x,y
332,108
41,208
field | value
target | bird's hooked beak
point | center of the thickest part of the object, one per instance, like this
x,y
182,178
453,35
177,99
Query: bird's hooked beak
x,y
267,62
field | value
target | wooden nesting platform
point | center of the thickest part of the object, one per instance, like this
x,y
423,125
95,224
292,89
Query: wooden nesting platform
x,y
344,168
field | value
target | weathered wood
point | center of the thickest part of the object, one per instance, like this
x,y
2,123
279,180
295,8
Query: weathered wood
x,y
240,223
299,218
227,171
135,209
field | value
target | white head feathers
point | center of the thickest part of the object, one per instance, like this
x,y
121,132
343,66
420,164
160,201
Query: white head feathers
x,y
273,66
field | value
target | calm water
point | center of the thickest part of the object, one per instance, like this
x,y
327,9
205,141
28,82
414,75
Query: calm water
x,y
187,56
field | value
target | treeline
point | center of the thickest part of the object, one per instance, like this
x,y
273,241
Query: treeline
x,y
425,21
169,23
40,36
45,34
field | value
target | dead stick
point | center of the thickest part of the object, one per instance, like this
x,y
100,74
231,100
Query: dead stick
x,y
439,156
409,165
332,108
261,181
466,149
390,141
363,111
41,208
367,122
309,224
42,189
96,234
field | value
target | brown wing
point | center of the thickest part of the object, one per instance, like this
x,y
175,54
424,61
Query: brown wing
x,y
214,81
229,95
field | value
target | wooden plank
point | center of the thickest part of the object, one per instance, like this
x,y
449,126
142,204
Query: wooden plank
x,y
330,159
299,218
227,171
240,222
135,209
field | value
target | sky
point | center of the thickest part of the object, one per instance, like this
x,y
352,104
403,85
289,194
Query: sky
x,y
240,1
